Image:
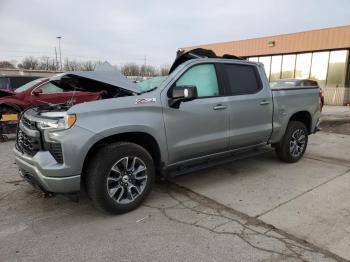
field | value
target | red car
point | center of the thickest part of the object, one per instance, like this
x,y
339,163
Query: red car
x,y
41,91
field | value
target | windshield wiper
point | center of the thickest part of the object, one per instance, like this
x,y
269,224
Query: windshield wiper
x,y
150,90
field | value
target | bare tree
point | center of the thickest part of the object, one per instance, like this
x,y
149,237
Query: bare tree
x,y
164,70
29,63
88,66
70,65
73,65
130,69
6,64
47,63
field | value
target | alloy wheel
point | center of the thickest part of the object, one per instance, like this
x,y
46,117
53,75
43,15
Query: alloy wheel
x,y
297,143
127,179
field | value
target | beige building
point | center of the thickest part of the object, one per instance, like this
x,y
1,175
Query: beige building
x,y
322,55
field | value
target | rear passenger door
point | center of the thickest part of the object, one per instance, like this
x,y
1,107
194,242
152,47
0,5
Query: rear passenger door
x,y
250,105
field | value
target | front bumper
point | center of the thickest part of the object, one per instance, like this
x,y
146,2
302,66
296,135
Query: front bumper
x,y
32,169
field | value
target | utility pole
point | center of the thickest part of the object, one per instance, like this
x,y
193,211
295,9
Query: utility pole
x,y
59,48
56,59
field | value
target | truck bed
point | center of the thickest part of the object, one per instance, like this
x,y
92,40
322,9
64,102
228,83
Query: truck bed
x,y
289,100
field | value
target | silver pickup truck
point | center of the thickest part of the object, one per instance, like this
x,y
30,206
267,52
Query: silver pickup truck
x,y
207,111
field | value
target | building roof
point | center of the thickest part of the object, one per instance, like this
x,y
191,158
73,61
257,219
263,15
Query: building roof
x,y
315,40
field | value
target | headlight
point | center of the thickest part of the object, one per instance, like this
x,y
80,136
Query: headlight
x,y
66,122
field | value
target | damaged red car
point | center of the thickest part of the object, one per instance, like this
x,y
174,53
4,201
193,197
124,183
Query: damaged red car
x,y
42,91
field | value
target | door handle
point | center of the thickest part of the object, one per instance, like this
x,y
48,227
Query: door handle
x,y
264,102
219,107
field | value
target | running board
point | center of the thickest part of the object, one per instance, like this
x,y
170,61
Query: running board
x,y
211,162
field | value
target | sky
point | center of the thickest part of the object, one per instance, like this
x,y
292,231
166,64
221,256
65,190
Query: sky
x,y
134,31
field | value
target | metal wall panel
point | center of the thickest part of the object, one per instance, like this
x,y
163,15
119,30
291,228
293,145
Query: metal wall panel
x,y
322,39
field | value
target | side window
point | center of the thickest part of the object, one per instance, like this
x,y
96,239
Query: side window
x,y
203,77
50,88
242,79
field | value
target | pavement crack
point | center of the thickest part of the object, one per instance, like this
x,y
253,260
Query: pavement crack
x,y
206,214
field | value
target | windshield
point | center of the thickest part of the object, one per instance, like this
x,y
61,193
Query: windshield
x,y
151,83
28,85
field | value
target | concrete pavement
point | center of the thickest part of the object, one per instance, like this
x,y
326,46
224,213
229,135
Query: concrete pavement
x,y
336,119
309,199
172,225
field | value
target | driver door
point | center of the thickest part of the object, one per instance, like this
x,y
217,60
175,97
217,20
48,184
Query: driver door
x,y
198,127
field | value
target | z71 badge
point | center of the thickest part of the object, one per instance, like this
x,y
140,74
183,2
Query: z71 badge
x,y
145,100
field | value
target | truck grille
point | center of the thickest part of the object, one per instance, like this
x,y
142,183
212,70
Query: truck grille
x,y
27,144
31,144
56,151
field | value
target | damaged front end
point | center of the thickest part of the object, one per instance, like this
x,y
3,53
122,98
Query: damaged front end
x,y
38,125
39,151
33,134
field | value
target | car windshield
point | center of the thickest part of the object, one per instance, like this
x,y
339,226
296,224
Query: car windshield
x,y
150,84
28,85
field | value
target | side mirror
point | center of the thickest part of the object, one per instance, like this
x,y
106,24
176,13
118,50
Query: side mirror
x,y
180,94
37,92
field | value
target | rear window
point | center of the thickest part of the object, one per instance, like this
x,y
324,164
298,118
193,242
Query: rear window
x,y
242,79
28,85
19,81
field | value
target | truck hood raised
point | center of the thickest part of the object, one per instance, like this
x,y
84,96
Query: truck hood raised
x,y
94,81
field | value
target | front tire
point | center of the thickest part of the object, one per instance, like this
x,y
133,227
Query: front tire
x,y
294,143
120,177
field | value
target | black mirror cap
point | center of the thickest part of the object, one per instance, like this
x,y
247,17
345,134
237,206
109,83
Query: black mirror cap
x,y
180,94
184,92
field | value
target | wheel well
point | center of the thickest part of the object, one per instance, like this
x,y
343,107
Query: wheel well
x,y
303,117
143,139
9,107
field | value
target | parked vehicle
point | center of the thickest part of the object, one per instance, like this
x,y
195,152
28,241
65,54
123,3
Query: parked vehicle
x,y
40,92
208,111
13,82
298,83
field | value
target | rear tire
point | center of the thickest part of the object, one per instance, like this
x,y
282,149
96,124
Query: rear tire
x,y
293,144
119,177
